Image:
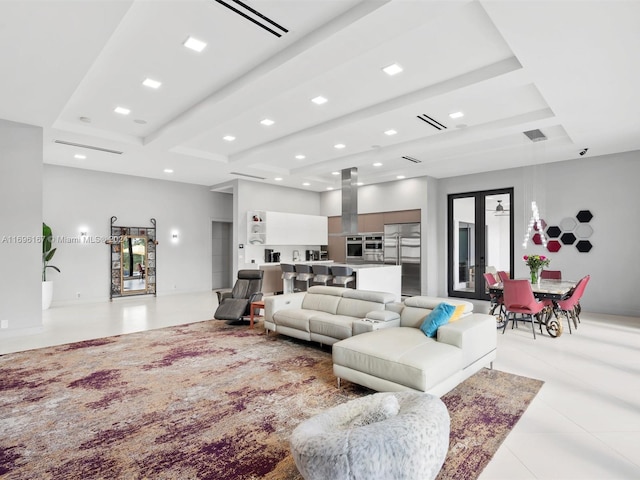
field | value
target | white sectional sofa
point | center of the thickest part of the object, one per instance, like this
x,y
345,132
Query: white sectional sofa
x,y
328,314
404,358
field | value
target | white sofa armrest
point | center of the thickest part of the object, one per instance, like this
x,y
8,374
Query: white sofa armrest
x,y
474,334
382,316
273,303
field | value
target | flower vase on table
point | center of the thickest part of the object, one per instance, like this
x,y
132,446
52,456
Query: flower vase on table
x,y
535,276
535,264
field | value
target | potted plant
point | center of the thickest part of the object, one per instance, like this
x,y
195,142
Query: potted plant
x,y
47,254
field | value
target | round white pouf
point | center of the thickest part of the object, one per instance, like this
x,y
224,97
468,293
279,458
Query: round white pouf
x,y
386,436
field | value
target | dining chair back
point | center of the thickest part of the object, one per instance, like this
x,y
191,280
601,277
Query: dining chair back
x,y
502,275
570,306
519,299
497,301
551,275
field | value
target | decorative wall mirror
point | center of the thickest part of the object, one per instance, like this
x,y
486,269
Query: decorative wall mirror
x,y
133,260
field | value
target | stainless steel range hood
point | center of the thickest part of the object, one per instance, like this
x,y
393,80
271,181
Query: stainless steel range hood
x,y
350,201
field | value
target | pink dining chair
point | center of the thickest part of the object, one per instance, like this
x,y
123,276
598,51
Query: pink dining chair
x,y
570,306
497,301
519,299
551,275
503,275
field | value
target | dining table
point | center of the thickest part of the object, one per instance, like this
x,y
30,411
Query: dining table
x,y
547,289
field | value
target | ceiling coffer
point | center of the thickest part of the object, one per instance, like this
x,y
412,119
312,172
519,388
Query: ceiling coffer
x,y
261,20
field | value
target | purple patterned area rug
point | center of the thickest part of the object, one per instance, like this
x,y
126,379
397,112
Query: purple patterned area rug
x,y
203,401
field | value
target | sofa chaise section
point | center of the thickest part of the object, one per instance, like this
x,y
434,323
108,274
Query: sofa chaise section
x,y
404,358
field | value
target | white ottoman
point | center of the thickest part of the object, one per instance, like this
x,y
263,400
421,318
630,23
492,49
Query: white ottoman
x,y
387,436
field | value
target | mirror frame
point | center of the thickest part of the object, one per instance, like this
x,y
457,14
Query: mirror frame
x,y
119,234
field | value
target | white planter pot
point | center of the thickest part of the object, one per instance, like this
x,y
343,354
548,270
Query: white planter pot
x,y
47,294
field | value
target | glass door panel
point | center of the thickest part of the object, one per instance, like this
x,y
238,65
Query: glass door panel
x,y
480,239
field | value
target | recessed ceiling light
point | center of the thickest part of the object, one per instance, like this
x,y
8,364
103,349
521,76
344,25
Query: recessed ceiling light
x,y
392,69
168,170
377,164
319,100
79,156
329,188
359,184
300,157
122,110
278,179
456,115
267,121
306,184
229,138
335,173
339,146
194,44
390,132
151,83
400,177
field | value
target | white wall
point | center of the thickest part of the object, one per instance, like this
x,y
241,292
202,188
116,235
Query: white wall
x,y
608,187
75,198
20,218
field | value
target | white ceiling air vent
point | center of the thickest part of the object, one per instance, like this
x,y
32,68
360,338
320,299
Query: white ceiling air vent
x,y
535,135
254,16
90,147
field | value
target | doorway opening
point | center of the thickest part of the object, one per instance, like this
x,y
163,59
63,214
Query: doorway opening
x,y
480,239
221,255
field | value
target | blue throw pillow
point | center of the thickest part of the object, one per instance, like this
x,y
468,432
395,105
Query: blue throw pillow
x,y
438,316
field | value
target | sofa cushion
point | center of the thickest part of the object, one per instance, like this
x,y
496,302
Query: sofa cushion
x,y
417,308
295,318
352,307
321,302
402,355
436,318
335,326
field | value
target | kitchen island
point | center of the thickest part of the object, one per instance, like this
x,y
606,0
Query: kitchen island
x,y
377,277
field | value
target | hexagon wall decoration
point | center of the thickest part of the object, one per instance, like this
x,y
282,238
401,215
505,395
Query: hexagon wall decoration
x,y
584,246
537,239
584,216
568,224
584,231
568,238
554,246
553,232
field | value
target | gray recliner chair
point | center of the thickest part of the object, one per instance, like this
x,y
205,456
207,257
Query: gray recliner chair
x,y
235,305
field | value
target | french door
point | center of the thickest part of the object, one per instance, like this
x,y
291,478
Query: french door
x,y
480,239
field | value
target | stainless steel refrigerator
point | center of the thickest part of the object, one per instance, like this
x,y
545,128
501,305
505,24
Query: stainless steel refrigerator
x,y
402,247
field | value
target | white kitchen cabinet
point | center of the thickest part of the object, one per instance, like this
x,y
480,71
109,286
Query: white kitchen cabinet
x,y
295,229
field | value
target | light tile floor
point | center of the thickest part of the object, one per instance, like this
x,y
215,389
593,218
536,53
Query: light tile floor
x,y
584,423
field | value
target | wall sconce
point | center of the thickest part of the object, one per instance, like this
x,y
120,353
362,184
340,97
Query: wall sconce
x,y
175,236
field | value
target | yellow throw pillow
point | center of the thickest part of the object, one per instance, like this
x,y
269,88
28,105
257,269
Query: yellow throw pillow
x,y
457,313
